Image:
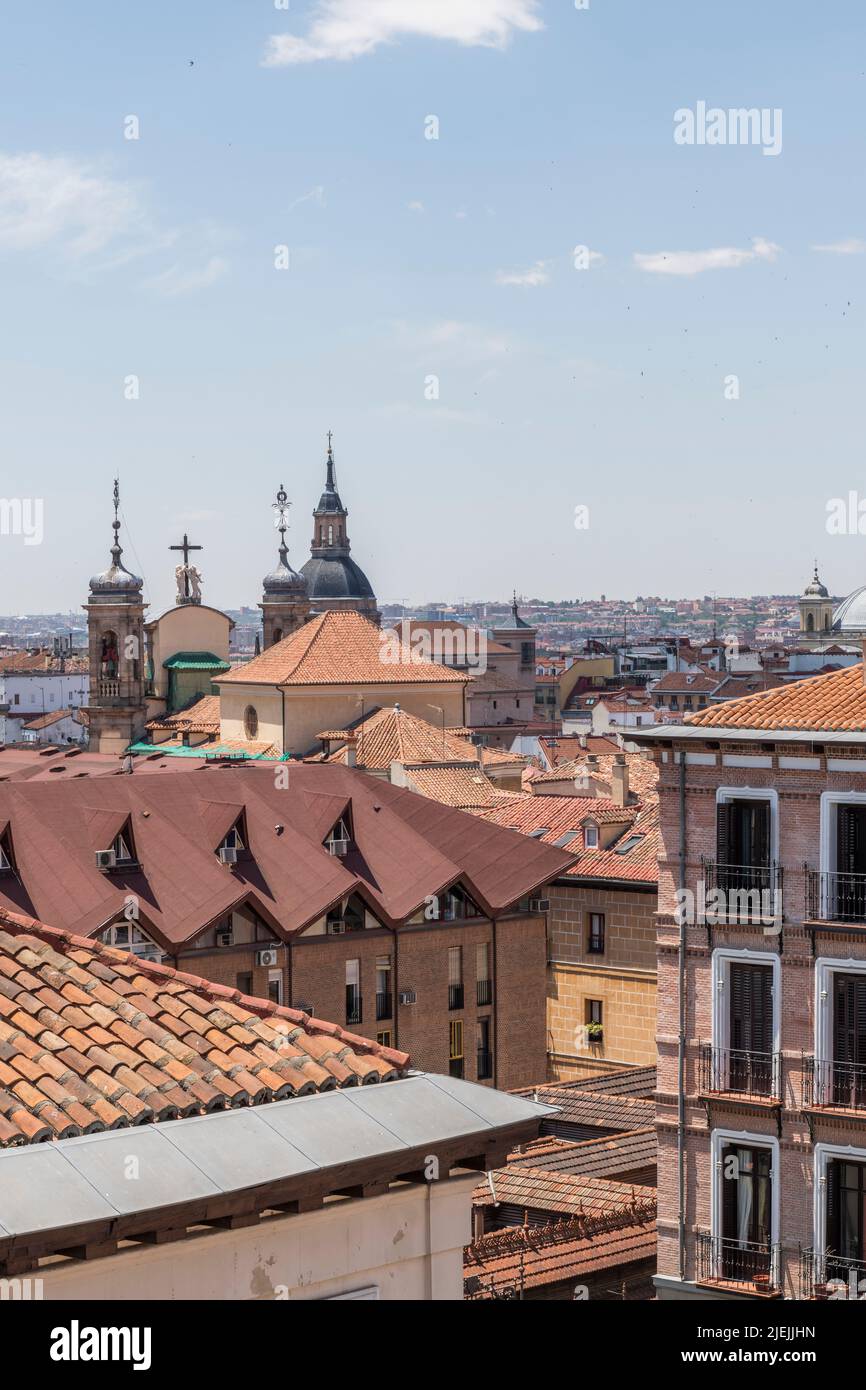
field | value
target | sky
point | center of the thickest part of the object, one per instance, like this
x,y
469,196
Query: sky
x,y
561,348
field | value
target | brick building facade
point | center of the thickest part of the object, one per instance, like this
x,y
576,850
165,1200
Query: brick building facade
x,y
762,806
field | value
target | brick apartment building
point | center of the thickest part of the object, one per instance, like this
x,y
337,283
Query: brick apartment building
x,y
401,919
601,985
762,995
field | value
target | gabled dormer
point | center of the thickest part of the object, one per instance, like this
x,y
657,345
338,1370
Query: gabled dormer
x,y
225,825
233,844
114,842
341,837
455,905
130,936
7,852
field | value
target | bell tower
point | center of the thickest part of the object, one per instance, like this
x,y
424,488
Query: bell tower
x,y
285,606
115,629
816,611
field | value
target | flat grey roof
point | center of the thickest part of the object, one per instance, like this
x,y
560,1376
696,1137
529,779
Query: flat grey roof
x,y
702,732
99,1177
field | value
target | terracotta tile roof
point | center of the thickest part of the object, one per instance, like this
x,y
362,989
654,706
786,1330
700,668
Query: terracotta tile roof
x,y
504,1262
494,681
464,787
565,1194
557,815
93,1039
44,721
337,648
600,1158
502,756
44,662
202,716
568,746
686,683
597,1109
406,848
642,772
394,735
628,1081
823,703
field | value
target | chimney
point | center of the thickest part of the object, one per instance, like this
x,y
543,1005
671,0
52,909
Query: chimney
x,y
581,738
619,780
351,751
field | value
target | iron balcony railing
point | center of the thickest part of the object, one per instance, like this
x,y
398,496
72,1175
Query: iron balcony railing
x,y
829,1083
485,1066
751,892
830,1276
455,996
484,992
752,1266
737,1071
384,1005
835,897
353,1004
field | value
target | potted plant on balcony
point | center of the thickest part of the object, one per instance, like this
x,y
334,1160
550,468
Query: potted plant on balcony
x,y
594,1032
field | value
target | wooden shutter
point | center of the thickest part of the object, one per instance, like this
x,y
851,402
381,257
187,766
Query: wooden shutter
x,y
751,1007
723,832
760,847
847,837
849,1019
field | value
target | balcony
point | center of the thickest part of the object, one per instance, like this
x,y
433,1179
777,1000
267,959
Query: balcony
x,y
485,1066
740,1074
384,1006
825,1277
455,996
835,897
738,1266
108,689
354,1012
752,892
833,1085
483,993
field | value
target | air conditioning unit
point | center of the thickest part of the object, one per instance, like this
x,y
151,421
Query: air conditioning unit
x,y
266,957
225,937
408,996
228,854
106,859
539,904
339,848
337,929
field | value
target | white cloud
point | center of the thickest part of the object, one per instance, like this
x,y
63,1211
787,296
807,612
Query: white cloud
x,y
415,206
536,275
346,29
695,262
452,341
315,195
47,200
852,247
176,281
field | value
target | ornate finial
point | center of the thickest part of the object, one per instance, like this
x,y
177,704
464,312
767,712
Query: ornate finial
x,y
330,485
281,508
116,551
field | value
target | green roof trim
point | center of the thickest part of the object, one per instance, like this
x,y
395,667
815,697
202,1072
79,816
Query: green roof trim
x,y
203,750
196,661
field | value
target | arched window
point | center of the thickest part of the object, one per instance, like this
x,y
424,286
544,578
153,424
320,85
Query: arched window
x,y
278,634
251,721
330,535
810,622
108,655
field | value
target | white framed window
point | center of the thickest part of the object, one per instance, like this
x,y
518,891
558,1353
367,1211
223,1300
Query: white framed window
x,y
826,970
590,835
723,959
125,936
725,795
275,986
824,1155
725,1140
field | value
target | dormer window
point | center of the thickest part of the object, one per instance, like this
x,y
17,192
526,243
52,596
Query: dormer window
x,y
231,845
120,854
590,835
456,904
340,838
126,936
7,861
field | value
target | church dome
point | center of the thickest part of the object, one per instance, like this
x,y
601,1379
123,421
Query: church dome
x,y
850,616
336,577
283,579
116,581
815,589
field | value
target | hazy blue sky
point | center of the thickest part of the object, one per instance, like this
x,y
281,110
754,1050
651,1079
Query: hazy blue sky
x,y
261,126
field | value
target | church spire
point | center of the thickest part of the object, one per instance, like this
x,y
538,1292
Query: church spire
x,y
329,502
117,577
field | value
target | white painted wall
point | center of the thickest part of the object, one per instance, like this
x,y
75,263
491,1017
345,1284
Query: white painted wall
x,y
405,1245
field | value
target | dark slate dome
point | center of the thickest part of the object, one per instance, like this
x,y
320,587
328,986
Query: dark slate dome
x,y
283,579
335,577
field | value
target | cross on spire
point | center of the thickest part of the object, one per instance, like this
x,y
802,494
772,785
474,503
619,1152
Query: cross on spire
x,y
186,547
